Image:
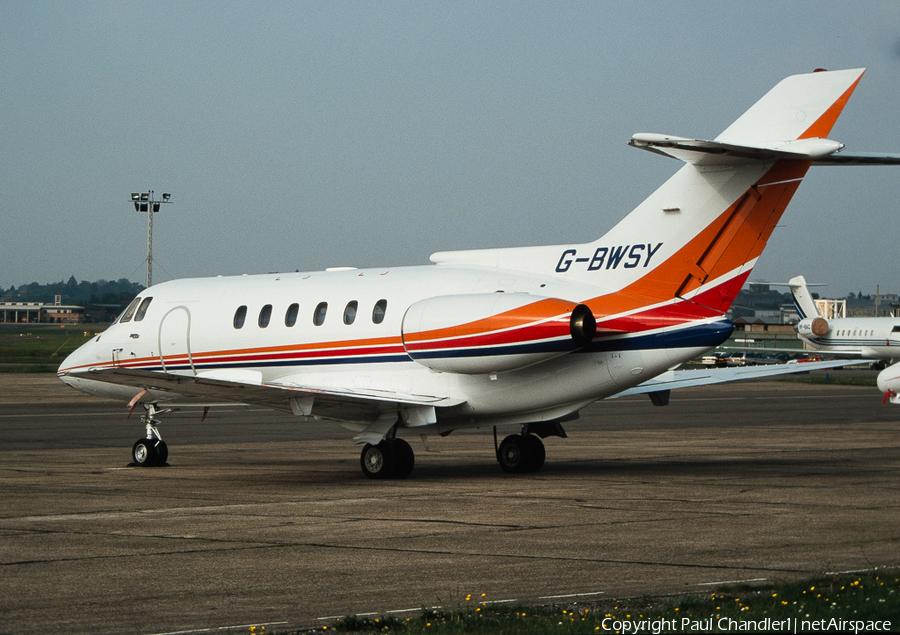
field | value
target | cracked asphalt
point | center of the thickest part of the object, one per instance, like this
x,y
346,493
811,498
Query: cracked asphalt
x,y
261,520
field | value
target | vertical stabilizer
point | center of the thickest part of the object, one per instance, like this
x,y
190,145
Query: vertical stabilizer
x,y
691,245
803,300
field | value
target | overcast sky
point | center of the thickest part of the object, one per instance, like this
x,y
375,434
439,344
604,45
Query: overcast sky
x,y
302,135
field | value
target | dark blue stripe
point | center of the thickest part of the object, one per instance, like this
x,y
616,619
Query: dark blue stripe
x,y
558,346
707,335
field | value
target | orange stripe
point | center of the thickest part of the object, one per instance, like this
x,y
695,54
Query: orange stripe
x,y
823,124
530,313
736,237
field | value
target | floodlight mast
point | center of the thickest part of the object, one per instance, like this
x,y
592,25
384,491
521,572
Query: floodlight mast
x,y
144,202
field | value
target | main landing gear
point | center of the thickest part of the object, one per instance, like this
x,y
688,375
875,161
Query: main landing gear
x,y
520,453
391,458
151,450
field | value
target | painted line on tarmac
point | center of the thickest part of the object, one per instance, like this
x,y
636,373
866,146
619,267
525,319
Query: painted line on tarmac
x,y
433,608
218,629
571,595
337,617
395,611
732,582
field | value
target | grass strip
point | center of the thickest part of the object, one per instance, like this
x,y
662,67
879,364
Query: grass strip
x,y
836,603
41,348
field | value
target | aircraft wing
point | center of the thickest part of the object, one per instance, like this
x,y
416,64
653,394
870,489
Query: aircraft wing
x,y
823,352
675,379
340,404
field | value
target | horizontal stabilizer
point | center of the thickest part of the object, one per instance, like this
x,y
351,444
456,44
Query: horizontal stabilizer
x,y
862,158
702,152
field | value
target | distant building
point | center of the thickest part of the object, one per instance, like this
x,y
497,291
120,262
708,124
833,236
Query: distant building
x,y
41,313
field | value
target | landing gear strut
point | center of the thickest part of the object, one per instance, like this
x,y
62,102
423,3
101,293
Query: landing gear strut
x,y
151,450
391,458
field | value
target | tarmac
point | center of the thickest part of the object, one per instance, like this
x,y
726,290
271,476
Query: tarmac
x,y
260,520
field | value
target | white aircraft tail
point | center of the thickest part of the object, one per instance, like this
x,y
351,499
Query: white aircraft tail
x,y
803,300
699,235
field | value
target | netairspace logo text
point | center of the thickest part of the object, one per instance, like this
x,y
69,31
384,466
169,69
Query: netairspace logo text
x,y
729,625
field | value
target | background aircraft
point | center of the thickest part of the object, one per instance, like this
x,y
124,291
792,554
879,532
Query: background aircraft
x,y
519,337
866,337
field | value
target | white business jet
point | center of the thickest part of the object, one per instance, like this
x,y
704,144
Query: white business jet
x,y
517,337
865,337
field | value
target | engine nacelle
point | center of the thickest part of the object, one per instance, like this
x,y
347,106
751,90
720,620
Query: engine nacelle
x,y
815,327
493,332
889,383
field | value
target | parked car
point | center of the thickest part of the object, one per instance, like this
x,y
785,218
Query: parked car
x,y
800,358
750,358
715,359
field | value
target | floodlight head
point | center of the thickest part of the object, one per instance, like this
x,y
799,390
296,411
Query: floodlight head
x,y
135,196
144,196
166,197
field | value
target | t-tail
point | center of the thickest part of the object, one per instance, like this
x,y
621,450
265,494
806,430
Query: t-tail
x,y
686,251
803,300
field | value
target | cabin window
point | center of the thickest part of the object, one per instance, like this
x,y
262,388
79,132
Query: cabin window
x,y
129,312
290,317
239,316
378,311
265,314
142,310
319,315
350,312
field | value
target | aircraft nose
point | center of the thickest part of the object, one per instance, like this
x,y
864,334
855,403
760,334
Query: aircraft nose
x,y
889,379
81,356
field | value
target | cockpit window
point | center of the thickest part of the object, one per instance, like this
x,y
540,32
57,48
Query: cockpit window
x,y
129,312
142,310
239,316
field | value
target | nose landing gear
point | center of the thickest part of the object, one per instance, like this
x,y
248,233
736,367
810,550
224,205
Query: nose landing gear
x,y
152,450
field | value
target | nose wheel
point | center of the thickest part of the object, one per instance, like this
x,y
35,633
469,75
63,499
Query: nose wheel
x,y
150,451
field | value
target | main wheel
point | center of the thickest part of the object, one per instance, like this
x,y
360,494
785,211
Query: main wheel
x,y
534,453
147,452
378,461
513,453
406,458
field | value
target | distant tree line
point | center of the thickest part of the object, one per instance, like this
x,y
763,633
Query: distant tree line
x,y
84,293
